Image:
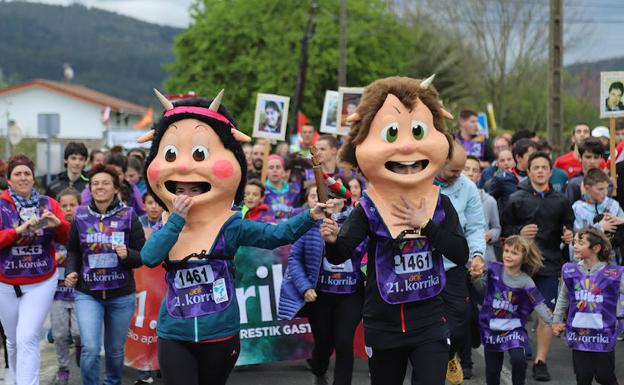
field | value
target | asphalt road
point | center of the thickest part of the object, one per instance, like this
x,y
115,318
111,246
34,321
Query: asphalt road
x,y
295,372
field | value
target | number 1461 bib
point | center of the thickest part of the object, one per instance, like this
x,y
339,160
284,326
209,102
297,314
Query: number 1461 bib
x,y
198,288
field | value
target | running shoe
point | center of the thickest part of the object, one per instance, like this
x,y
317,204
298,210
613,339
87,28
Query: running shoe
x,y
454,373
540,371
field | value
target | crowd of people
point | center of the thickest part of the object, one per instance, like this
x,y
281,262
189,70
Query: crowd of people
x,y
510,219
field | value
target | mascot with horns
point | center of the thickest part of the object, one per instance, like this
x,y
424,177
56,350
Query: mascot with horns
x,y
196,171
398,141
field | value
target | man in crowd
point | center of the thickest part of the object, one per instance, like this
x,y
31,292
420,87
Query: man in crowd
x,y
571,161
590,152
257,161
505,180
327,146
472,141
501,143
538,212
75,156
466,200
307,140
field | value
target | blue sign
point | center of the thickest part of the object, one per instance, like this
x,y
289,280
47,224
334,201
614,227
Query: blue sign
x,y
483,124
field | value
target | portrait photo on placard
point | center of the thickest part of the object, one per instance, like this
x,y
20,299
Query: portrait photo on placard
x,y
348,100
612,94
330,111
271,116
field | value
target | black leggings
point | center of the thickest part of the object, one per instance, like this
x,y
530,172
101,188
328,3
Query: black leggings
x,y
494,366
456,302
6,354
429,360
333,319
188,363
598,365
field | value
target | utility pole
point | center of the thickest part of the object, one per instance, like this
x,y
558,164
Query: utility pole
x,y
303,68
555,80
342,44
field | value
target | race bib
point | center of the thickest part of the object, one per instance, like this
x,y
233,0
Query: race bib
x,y
103,260
345,267
27,250
413,262
195,276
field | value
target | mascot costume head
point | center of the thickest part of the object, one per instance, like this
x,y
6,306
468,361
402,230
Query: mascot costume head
x,y
398,140
196,141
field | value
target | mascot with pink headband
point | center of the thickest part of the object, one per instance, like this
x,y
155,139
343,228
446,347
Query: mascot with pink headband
x,y
196,170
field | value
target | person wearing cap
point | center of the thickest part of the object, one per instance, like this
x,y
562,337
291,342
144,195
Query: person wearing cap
x,y
29,223
602,133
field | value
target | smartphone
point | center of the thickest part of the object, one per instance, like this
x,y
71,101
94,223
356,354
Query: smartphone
x,y
42,223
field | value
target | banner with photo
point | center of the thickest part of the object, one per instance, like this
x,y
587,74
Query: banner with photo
x,y
348,100
259,276
330,113
612,94
270,117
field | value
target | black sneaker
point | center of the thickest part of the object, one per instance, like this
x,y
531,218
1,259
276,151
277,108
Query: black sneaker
x,y
540,371
467,372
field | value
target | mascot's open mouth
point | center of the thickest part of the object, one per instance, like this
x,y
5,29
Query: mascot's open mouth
x,y
407,167
204,187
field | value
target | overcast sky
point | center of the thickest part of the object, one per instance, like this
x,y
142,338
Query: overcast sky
x,y
601,21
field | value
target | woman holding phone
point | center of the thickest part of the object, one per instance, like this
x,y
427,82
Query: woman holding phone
x,y
29,223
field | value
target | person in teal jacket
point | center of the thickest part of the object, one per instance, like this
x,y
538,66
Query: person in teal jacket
x,y
196,170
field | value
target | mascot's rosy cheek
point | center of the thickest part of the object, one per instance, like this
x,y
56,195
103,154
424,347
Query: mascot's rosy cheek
x,y
223,169
153,171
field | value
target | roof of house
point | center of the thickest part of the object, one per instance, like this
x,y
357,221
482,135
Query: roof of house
x,y
79,92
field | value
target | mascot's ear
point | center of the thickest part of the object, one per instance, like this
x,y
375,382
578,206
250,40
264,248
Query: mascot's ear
x,y
446,114
239,136
354,117
147,137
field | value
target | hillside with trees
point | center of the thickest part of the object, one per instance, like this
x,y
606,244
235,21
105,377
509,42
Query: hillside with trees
x,y
111,53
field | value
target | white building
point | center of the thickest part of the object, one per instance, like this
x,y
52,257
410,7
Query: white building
x,y
82,110
86,115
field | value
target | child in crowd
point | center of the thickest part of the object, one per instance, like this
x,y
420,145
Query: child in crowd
x,y
280,196
596,209
153,212
254,208
510,296
588,296
354,184
134,173
63,314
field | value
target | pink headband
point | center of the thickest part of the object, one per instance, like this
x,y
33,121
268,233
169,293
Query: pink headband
x,y
278,157
198,111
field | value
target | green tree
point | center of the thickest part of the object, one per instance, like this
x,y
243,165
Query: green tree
x,y
250,47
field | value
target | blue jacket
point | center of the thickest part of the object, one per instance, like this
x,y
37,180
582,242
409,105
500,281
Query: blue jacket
x,y
237,232
304,264
466,199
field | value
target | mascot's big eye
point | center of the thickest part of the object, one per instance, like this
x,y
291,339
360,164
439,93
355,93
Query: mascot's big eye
x,y
200,153
390,133
419,129
171,152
